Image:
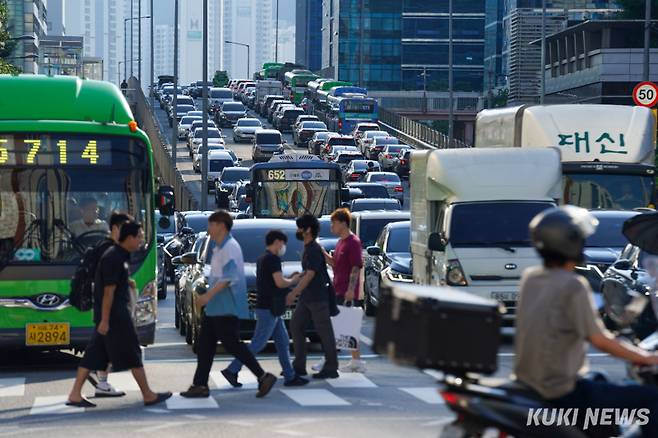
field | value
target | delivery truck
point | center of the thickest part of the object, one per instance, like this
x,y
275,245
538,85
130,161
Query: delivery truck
x,y
608,151
470,211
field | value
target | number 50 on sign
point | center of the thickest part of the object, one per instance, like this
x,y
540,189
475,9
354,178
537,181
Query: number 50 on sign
x,y
645,94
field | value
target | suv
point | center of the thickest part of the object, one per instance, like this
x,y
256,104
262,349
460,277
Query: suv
x,y
377,145
262,106
274,105
229,113
217,162
306,130
267,142
337,140
402,164
217,96
287,117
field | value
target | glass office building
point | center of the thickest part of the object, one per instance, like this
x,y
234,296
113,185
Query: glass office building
x,y
403,44
308,34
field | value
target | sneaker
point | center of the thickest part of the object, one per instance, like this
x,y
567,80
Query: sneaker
x,y
231,378
104,389
318,366
265,384
296,381
326,375
354,366
196,392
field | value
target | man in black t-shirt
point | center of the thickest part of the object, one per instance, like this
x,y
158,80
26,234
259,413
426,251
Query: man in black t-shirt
x,y
272,288
313,305
115,339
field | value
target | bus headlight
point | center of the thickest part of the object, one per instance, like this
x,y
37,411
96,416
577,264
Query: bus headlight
x,y
147,305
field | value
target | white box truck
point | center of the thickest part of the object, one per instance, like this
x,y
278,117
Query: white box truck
x,y
265,88
470,211
608,151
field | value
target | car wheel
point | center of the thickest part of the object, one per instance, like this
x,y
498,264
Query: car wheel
x,y
187,330
162,288
372,283
235,140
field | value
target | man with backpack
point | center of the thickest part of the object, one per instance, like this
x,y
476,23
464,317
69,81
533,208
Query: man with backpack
x,y
82,288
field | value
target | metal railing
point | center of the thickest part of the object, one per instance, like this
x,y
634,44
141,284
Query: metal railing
x,y
164,167
417,134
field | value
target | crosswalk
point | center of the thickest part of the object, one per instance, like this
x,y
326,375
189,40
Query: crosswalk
x,y
349,389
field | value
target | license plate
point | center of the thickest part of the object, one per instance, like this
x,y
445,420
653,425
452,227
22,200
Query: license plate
x,y
288,314
505,296
48,334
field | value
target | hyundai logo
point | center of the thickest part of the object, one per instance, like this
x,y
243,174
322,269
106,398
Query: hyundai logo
x,y
307,174
48,300
510,266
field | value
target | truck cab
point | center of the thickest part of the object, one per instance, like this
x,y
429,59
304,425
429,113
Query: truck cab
x,y
470,211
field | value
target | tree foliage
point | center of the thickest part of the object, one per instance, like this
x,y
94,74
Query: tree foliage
x,y
6,45
634,9
220,79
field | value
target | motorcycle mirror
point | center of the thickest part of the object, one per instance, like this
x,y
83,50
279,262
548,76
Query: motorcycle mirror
x,y
623,265
160,238
187,230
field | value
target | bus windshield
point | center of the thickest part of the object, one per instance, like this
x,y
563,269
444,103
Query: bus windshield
x,y
357,106
58,190
291,199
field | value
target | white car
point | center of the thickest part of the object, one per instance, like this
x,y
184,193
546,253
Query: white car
x,y
245,129
196,161
368,137
217,161
185,125
213,133
388,157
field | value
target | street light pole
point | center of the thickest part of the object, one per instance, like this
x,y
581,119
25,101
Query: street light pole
x,y
132,45
125,48
248,53
542,91
647,38
174,124
151,61
276,38
139,41
451,110
204,145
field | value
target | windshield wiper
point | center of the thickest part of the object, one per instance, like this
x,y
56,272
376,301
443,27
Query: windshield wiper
x,y
66,230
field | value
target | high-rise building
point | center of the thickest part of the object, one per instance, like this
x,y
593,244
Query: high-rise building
x,y
163,49
56,18
27,20
101,23
522,24
493,45
190,42
308,34
394,45
247,22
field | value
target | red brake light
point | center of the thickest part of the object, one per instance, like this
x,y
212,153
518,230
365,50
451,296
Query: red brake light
x,y
389,156
403,161
450,398
398,189
340,124
354,176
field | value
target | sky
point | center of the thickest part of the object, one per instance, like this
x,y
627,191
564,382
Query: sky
x,y
165,12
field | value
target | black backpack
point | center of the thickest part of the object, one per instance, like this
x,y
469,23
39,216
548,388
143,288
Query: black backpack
x,y
82,284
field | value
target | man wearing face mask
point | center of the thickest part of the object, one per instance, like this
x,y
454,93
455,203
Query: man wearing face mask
x,y
313,304
271,290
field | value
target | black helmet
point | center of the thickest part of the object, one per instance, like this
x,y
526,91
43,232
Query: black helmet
x,y
561,232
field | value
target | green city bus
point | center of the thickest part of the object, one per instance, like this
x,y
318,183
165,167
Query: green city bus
x,y
70,154
295,83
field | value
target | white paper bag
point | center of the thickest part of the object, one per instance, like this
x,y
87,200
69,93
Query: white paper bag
x,y
347,327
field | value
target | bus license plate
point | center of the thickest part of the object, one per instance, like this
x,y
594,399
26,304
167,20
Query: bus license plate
x,y
47,334
288,314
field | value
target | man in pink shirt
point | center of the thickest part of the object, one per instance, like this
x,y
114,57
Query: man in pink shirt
x,y
346,262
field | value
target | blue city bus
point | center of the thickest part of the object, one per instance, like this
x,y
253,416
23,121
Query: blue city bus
x,y
345,111
290,185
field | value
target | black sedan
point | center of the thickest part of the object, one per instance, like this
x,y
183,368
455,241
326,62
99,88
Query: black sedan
x,y
389,259
605,245
229,177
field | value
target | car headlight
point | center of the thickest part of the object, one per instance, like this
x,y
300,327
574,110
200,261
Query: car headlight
x,y
147,305
455,274
394,275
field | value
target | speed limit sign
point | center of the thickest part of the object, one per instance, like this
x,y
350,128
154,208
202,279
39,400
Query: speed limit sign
x,y
645,94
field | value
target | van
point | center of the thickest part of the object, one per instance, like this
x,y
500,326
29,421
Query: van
x,y
217,161
217,96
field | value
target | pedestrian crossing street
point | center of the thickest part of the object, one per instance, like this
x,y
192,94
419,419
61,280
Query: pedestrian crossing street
x,y
350,389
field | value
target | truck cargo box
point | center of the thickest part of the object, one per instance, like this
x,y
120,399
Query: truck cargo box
x,y
438,327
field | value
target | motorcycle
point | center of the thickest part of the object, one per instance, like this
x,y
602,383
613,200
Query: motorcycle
x,y
181,243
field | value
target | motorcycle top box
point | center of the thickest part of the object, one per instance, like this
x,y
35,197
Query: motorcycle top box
x,y
440,328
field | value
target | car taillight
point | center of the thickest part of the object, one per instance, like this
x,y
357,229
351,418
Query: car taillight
x,y
340,124
377,148
398,188
354,176
403,161
389,156
450,398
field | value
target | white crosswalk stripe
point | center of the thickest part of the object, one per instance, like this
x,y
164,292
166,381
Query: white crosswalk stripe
x,y
248,380
53,404
177,402
351,380
123,381
428,394
12,387
315,397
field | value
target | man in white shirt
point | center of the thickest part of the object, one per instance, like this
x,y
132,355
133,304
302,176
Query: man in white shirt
x,y
89,221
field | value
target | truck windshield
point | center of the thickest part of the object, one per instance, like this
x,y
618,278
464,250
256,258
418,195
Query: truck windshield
x,y
484,224
606,191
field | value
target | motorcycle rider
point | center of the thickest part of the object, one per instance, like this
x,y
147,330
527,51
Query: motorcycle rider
x,y
556,319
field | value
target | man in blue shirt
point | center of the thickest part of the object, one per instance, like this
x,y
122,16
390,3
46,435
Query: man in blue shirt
x,y
225,303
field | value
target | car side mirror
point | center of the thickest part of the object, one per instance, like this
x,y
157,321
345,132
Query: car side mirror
x,y
345,205
373,250
623,265
436,243
176,261
166,200
160,238
189,258
345,195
